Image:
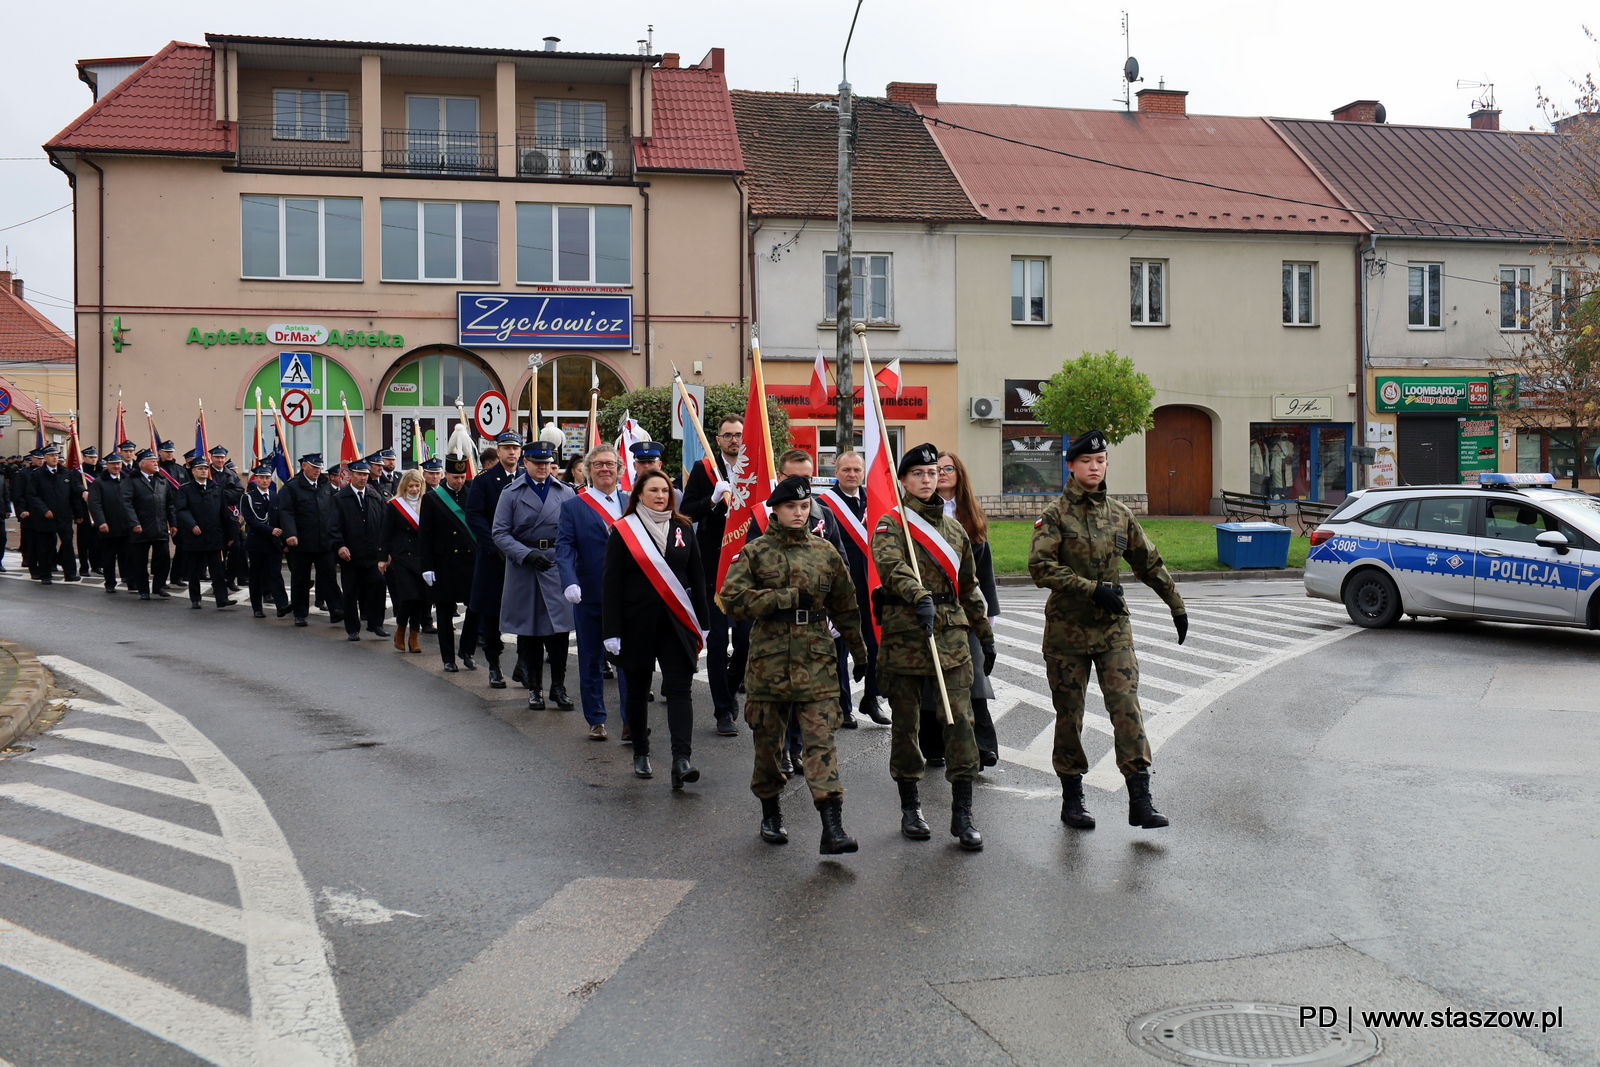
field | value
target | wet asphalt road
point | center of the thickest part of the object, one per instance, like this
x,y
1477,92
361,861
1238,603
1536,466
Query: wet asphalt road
x,y
1420,801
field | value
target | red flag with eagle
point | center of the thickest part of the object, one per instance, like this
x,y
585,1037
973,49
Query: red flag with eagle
x,y
750,474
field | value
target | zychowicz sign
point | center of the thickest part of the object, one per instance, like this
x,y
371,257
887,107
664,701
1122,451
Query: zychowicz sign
x,y
1433,394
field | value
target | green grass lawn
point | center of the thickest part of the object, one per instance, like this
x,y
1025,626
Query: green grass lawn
x,y
1184,546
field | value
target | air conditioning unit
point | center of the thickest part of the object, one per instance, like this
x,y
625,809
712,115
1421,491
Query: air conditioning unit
x,y
540,162
984,407
594,162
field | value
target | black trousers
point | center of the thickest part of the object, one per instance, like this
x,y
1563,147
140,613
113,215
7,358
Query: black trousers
x,y
200,565
533,651
149,563
88,546
408,614
677,673
266,579
446,611
114,554
489,634
725,671
301,565
364,594
52,548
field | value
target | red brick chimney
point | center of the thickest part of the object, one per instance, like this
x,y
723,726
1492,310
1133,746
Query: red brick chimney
x,y
1360,111
1485,118
913,92
669,60
1163,101
11,282
712,61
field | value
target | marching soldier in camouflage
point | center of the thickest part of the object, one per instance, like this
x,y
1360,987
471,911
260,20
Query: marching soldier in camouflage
x,y
1077,545
911,612
792,585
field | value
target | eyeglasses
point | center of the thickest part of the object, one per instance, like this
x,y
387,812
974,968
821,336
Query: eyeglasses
x,y
947,469
603,465
729,436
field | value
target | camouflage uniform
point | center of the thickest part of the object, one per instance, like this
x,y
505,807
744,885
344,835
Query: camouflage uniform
x,y
793,662
905,663
1076,545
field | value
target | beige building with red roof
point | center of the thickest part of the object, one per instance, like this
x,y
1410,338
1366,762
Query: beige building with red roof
x,y
390,227
38,363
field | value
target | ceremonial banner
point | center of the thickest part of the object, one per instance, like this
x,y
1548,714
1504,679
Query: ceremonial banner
x,y
750,475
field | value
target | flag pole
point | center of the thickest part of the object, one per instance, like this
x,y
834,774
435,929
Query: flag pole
x,y
871,386
761,391
699,419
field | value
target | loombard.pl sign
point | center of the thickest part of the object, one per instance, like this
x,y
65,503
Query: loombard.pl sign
x,y
545,320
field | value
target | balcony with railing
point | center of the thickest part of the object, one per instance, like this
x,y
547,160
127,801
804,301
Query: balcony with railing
x,y
554,156
300,147
439,151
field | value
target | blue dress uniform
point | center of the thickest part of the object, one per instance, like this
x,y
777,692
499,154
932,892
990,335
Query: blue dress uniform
x,y
580,555
489,570
259,509
532,605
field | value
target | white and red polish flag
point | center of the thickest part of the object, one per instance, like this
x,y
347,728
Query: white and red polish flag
x,y
889,377
819,381
629,434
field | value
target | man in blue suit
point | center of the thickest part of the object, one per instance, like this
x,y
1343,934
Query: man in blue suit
x,y
489,571
585,527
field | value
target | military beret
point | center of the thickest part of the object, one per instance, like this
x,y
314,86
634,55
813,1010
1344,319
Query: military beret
x,y
358,466
50,450
144,454
509,437
455,464
924,455
539,451
199,461
1086,444
312,458
435,464
218,450
165,446
645,450
91,451
794,487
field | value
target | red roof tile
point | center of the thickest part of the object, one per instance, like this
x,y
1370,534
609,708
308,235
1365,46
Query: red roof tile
x,y
1014,183
691,123
23,407
167,106
26,336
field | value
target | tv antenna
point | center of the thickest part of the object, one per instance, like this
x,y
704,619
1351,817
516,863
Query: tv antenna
x,y
1130,68
1485,99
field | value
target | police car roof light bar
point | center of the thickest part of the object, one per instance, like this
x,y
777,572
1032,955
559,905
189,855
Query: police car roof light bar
x,y
1510,480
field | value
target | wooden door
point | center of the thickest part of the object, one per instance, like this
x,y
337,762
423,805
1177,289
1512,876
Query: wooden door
x,y
1177,462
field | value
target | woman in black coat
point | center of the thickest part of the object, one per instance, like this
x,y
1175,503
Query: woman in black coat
x,y
641,627
401,545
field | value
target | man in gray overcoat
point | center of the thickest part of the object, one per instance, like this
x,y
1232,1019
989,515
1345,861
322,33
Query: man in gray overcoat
x,y
532,605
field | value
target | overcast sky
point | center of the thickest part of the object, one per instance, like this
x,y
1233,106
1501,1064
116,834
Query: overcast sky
x,y
1244,57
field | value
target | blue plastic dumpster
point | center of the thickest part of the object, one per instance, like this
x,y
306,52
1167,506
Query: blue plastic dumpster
x,y
1253,545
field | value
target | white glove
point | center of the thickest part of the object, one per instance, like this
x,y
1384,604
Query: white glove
x,y
614,645
718,490
573,593
832,632
705,638
428,577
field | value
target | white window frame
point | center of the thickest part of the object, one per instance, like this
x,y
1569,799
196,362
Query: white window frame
x,y
1563,281
421,251
555,247
1425,270
322,131
1028,277
545,138
1521,279
1142,266
1298,275
831,302
322,239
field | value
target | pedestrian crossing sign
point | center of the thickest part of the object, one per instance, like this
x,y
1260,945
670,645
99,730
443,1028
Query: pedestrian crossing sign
x,y
294,369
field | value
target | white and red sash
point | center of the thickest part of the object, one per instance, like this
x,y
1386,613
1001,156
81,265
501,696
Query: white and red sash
x,y
650,559
928,536
601,508
852,526
405,510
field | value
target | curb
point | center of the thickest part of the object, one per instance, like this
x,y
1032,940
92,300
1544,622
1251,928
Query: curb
x,y
1286,574
28,696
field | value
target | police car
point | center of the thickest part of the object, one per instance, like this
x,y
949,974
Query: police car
x,y
1513,548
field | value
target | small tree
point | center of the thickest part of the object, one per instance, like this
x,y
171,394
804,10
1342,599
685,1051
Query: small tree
x,y
1097,391
1558,367
653,408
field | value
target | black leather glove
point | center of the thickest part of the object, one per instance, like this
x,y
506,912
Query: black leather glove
x,y
538,560
1108,598
858,670
804,601
924,610
1182,623
988,657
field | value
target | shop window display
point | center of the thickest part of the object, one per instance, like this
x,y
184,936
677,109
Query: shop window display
x,y
1299,461
1030,461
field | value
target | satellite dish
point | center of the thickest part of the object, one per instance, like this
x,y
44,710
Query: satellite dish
x,y
1380,114
1130,70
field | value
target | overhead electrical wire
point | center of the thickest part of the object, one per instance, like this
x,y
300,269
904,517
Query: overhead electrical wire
x,y
1504,230
36,218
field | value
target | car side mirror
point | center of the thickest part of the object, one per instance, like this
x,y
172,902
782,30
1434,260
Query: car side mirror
x,y
1554,539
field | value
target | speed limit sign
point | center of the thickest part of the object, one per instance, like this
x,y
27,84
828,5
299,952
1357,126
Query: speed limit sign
x,y
492,414
296,407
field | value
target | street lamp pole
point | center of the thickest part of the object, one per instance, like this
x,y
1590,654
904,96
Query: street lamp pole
x,y
844,340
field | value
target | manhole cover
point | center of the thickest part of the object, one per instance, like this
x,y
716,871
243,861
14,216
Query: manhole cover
x,y
1249,1035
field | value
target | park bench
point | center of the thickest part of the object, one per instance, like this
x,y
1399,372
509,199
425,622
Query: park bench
x,y
1246,506
1311,513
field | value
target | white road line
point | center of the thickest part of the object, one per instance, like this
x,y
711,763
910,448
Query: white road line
x,y
109,710
211,1033
502,1008
294,1002
1240,638
1170,644
1017,695
1004,621
1190,668
128,822
109,740
110,772
169,904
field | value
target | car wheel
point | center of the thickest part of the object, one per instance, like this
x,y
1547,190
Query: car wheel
x,y
1372,599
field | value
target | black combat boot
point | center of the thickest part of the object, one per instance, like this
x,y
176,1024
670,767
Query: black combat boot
x,y
773,832
912,824
496,679
1141,809
834,840
1073,812
558,696
535,701
961,817
869,708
